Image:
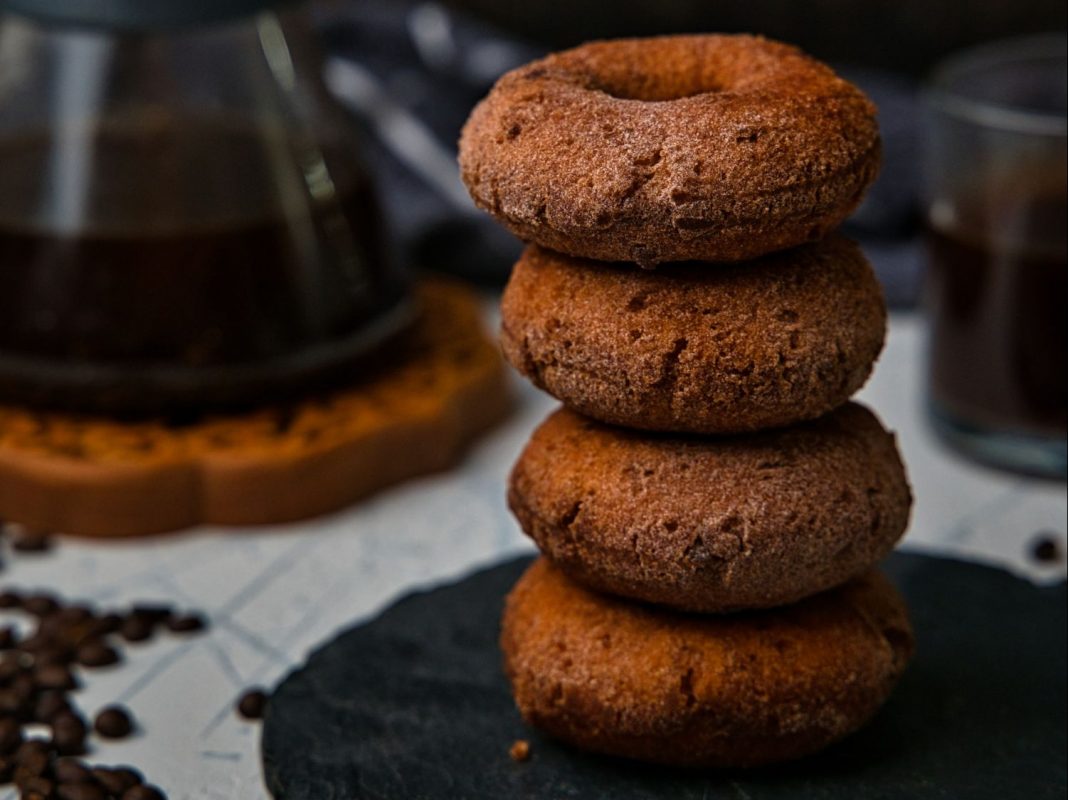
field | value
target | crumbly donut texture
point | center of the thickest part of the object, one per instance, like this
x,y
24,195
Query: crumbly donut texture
x,y
708,147
697,349
617,677
713,524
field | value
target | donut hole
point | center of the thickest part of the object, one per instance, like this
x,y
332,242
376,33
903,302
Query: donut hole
x,y
656,87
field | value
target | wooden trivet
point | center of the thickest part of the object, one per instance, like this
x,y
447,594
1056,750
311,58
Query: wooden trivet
x,y
93,476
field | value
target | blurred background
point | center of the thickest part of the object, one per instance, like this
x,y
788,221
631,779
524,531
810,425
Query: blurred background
x,y
436,59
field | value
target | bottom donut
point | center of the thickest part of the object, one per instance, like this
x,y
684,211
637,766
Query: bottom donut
x,y
621,678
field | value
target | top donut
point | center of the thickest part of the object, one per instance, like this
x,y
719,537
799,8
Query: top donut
x,y
675,148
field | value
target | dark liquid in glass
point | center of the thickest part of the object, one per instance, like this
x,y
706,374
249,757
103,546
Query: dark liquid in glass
x,y
998,296
211,270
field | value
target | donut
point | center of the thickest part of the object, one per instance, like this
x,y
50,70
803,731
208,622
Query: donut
x,y
713,525
690,349
674,148
620,678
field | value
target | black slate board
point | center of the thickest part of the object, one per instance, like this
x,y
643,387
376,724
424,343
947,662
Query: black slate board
x,y
413,706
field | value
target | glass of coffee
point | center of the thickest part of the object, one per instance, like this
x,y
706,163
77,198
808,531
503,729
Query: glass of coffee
x,y
996,218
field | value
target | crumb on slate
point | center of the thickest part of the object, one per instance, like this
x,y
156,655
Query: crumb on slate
x,y
520,750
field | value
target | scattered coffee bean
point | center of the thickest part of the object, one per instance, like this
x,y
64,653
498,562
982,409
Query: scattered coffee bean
x,y
50,704
68,734
10,735
95,653
136,629
53,657
143,792
54,676
117,780
11,665
35,786
40,605
36,677
80,791
252,704
29,764
71,770
105,624
1045,548
72,615
186,623
32,541
68,742
70,719
113,722
36,642
31,749
155,613
14,703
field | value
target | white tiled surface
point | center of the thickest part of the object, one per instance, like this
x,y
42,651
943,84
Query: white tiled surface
x,y
273,594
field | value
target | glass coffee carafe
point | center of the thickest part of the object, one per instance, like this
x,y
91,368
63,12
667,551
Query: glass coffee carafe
x,y
185,221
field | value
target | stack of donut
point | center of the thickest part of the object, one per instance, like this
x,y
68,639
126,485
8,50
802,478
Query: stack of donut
x,y
709,504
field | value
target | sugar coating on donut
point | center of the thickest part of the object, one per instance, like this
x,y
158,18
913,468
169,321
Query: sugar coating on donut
x,y
713,524
711,148
629,680
692,348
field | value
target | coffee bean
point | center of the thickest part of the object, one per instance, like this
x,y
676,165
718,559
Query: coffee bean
x,y
68,742
35,679
1045,548
186,623
252,704
136,629
68,734
72,615
113,722
116,780
35,785
32,749
71,720
49,704
36,642
80,791
10,735
157,613
52,657
14,703
54,676
11,666
71,770
30,766
95,653
31,541
143,792
105,624
40,605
